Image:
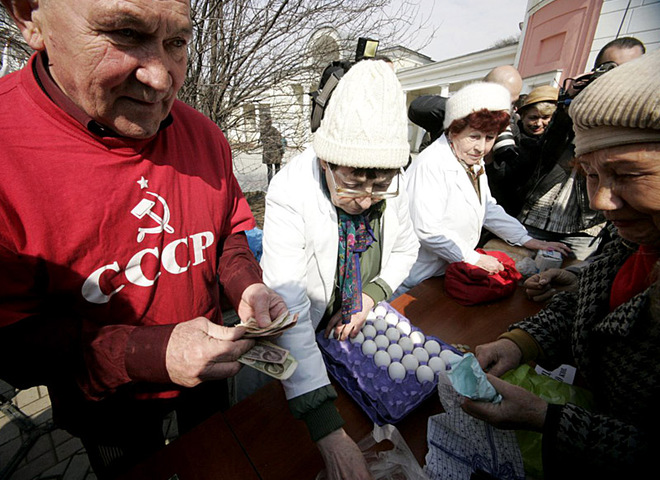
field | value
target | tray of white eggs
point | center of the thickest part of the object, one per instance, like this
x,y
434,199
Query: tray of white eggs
x,y
390,367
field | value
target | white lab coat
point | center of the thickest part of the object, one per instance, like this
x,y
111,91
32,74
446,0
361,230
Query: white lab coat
x,y
447,215
299,260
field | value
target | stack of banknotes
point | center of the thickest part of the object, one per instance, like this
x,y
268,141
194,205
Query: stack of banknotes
x,y
265,356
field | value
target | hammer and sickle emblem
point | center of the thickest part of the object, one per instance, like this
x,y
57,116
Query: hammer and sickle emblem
x,y
145,208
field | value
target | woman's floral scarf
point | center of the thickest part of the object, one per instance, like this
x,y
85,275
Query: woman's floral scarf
x,y
355,236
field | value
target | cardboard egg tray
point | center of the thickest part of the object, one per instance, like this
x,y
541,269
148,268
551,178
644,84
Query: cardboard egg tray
x,y
383,399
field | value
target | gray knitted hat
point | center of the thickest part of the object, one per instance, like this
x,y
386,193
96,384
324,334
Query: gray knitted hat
x,y
619,108
365,124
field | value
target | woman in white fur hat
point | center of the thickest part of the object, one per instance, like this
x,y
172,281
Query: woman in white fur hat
x,y
338,239
450,200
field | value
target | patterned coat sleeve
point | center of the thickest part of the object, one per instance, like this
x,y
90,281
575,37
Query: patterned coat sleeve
x,y
616,352
551,328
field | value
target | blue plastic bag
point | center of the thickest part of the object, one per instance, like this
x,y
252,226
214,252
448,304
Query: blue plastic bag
x,y
255,238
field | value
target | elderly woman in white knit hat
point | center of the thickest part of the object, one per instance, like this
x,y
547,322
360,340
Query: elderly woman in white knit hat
x,y
338,239
450,200
610,327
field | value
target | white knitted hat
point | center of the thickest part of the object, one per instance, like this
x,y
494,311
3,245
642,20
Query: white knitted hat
x,y
365,124
475,97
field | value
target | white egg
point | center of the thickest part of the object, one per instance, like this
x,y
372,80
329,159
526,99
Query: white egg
x,y
371,315
424,374
393,334
410,362
396,371
359,338
380,324
421,354
450,357
382,359
437,364
406,344
369,347
395,351
369,331
380,311
331,335
382,342
392,319
404,327
432,347
417,337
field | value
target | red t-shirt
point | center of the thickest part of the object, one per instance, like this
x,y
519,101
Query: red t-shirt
x,y
123,234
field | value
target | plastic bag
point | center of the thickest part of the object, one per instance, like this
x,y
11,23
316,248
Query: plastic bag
x,y
255,239
398,463
527,267
459,445
552,391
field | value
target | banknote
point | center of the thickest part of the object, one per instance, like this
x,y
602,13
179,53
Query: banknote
x,y
280,371
277,326
266,352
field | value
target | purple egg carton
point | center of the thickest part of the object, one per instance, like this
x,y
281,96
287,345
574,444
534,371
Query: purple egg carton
x,y
383,399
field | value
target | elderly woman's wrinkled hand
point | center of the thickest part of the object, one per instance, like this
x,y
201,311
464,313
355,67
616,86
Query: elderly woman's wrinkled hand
x,y
498,357
343,458
351,329
542,286
519,408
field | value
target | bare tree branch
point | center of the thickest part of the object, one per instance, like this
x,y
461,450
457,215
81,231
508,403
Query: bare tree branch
x,y
249,58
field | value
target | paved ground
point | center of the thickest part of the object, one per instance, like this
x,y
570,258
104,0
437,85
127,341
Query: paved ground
x,y
26,419
54,454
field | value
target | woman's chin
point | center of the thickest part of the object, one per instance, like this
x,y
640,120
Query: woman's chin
x,y
646,236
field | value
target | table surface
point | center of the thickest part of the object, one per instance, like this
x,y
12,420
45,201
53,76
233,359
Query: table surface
x,y
260,438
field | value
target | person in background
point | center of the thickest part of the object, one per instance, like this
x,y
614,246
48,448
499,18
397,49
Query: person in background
x,y
272,145
450,200
504,157
610,327
338,239
553,202
120,213
512,178
620,50
428,111
507,76
537,109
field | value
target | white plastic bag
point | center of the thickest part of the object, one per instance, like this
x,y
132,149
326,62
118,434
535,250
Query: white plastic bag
x,y
460,445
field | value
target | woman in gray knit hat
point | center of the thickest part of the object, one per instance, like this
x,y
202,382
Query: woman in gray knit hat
x,y
610,328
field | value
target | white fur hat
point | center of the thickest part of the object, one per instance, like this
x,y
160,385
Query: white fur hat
x,y
365,124
475,97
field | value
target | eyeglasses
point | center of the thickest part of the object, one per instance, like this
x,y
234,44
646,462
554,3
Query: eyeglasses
x,y
350,193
